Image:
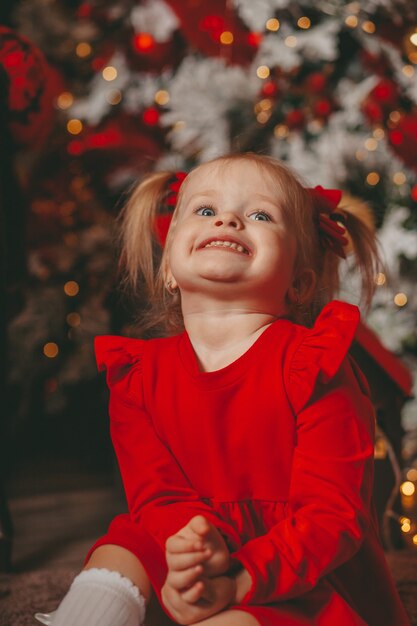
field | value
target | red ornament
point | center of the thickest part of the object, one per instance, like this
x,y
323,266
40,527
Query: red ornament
x,y
372,111
323,108
414,193
31,87
203,23
295,118
269,89
143,42
403,140
254,39
151,116
386,93
316,82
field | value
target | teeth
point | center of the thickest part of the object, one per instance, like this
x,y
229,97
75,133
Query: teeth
x,y
226,244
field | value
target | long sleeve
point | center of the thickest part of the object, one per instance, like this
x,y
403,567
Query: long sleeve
x,y
328,508
158,493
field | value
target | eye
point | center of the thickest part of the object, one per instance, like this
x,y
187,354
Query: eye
x,y
260,216
207,211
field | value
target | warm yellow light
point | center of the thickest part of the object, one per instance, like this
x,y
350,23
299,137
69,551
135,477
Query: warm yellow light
x,y
368,27
109,73
83,50
272,24
415,540
400,299
372,178
413,39
371,144
114,97
407,488
50,350
304,22
291,41
180,125
395,116
161,97
404,520
74,126
413,57
412,474
360,155
351,21
71,288
73,319
263,71
226,38
406,527
408,70
379,133
281,131
64,100
399,178
263,117
265,104
380,279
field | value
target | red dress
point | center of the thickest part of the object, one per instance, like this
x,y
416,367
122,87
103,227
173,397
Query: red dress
x,y
276,450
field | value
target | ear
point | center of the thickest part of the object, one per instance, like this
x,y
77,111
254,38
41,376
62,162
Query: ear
x,y
169,279
303,287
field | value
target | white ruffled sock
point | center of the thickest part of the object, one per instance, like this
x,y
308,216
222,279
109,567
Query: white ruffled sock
x,y
100,597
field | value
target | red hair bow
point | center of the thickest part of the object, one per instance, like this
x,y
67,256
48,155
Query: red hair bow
x,y
331,234
163,220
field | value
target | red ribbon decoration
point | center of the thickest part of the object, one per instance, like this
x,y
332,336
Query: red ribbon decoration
x,y
163,220
331,234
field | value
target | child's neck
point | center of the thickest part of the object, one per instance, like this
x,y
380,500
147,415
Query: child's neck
x,y
221,336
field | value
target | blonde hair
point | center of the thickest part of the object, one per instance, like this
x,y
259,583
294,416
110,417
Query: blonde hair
x,y
144,262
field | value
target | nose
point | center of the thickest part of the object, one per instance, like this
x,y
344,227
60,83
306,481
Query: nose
x,y
228,219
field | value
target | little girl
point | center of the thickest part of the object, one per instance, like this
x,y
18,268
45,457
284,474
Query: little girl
x,y
245,437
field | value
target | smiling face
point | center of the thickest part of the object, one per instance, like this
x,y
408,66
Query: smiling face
x,y
230,235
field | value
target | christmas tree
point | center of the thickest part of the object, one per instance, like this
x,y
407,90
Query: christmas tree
x,y
330,87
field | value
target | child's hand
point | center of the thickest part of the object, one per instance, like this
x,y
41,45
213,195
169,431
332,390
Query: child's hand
x,y
202,599
198,535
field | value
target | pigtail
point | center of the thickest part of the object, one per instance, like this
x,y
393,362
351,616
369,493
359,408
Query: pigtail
x,y
139,246
357,219
360,229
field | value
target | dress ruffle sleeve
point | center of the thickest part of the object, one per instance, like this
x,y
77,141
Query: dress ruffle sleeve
x,y
159,495
328,506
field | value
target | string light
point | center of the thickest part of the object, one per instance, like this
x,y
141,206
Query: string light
x,y
281,131
415,540
379,133
400,299
74,126
407,488
368,27
291,41
412,474
272,24
109,73
83,49
73,319
360,155
304,22
114,97
351,21
143,42
371,144
413,38
406,526
380,279
263,71
71,288
50,350
373,178
408,70
395,116
161,97
226,38
399,178
65,100
263,117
